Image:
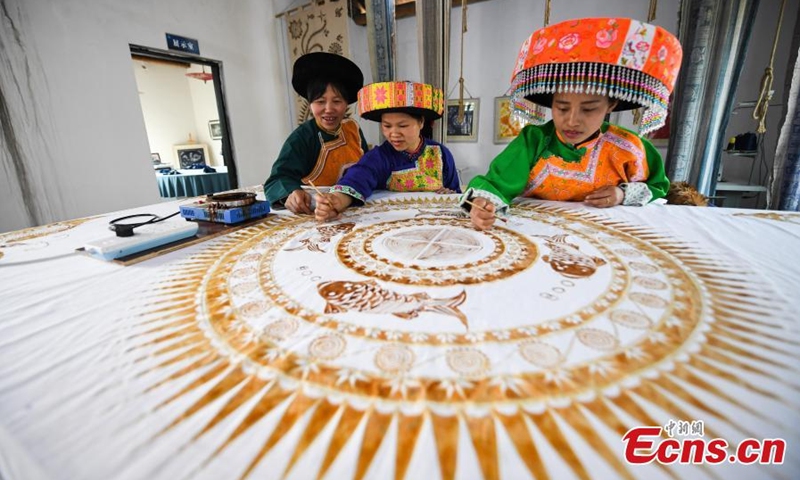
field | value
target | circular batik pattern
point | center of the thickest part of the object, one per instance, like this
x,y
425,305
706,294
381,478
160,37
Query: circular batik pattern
x,y
394,358
36,239
403,314
27,234
540,354
386,291
468,362
327,347
435,251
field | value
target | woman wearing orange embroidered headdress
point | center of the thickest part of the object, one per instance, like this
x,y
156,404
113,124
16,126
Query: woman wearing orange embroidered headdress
x,y
584,69
407,161
321,149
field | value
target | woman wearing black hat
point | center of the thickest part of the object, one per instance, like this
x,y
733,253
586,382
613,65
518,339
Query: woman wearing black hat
x,y
319,150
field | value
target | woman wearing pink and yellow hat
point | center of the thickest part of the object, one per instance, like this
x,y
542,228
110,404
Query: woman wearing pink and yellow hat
x,y
584,69
407,161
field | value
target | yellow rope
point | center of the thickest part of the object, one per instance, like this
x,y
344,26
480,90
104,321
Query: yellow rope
x,y
460,116
760,111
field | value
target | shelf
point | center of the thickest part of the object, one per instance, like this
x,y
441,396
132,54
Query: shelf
x,y
741,153
739,187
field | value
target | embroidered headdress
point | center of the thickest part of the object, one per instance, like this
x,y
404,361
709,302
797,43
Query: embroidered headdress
x,y
419,99
327,67
631,61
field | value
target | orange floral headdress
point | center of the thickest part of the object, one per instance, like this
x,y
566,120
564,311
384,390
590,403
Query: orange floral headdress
x,y
413,98
631,61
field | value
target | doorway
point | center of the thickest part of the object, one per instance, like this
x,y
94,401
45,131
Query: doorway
x,y
183,107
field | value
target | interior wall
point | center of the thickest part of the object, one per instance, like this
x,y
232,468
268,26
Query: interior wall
x,y
204,100
72,102
167,105
176,108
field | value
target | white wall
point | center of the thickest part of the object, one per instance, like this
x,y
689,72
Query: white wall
x,y
176,107
167,105
77,116
204,100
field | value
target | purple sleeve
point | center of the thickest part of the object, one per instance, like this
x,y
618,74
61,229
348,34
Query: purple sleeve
x,y
369,174
450,173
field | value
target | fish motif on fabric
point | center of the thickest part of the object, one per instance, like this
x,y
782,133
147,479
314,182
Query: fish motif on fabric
x,y
568,260
369,297
322,236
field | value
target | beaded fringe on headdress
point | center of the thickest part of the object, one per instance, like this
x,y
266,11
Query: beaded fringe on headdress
x,y
620,83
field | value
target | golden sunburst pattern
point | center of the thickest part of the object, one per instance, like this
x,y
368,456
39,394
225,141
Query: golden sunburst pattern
x,y
41,231
553,370
777,216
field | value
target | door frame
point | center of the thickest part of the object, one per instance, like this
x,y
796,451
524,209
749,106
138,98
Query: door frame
x,y
219,91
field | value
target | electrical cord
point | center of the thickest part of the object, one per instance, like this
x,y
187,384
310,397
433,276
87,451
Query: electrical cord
x,y
126,229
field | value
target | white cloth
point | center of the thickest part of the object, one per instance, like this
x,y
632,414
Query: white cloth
x,y
399,337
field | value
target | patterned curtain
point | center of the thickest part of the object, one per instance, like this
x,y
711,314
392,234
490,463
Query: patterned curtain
x,y
29,143
714,35
320,26
433,27
380,36
785,182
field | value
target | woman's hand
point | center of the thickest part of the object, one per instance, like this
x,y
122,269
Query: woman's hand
x,y
482,213
330,206
605,197
299,202
444,191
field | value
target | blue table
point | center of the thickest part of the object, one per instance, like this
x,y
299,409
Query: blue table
x,y
192,184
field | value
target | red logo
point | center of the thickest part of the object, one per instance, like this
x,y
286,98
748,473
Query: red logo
x,y
646,444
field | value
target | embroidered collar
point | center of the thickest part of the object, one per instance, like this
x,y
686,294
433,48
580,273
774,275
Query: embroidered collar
x,y
589,142
413,155
334,133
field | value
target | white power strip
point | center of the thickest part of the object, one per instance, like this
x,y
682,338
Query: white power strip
x,y
144,238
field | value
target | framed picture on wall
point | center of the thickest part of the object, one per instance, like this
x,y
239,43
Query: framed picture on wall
x,y
215,130
189,155
463,129
155,158
506,125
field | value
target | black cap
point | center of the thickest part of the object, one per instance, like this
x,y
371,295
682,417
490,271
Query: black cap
x,y
328,67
